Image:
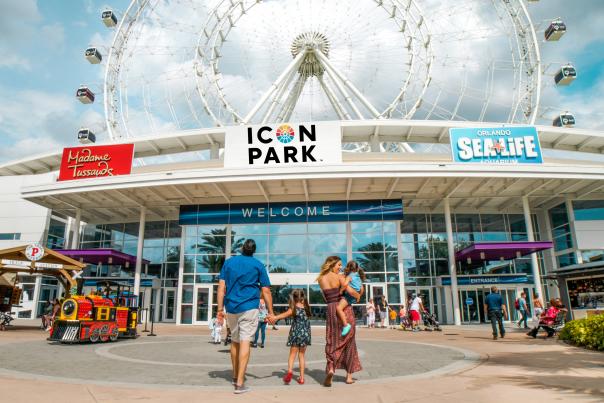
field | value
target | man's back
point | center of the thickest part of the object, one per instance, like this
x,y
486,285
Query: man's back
x,y
494,301
243,277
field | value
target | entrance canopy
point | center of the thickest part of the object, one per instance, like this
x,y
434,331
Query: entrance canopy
x,y
49,263
500,250
101,256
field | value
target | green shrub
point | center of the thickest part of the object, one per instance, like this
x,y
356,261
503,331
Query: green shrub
x,y
588,332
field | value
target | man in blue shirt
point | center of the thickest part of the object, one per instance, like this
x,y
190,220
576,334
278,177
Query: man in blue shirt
x,y
240,282
495,311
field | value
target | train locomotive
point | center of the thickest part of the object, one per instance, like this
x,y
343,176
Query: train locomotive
x,y
94,317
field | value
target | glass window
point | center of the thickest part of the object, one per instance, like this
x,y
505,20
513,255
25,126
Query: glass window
x,y
375,277
566,260
327,228
154,255
390,227
209,263
414,223
326,244
558,215
315,294
368,226
370,262
563,242
391,261
280,263
186,314
588,210
287,229
287,244
586,293
592,255
252,229
367,241
394,294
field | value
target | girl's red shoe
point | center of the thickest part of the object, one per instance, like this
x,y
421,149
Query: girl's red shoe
x,y
300,381
288,377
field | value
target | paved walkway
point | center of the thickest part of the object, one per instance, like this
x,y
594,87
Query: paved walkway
x,y
460,363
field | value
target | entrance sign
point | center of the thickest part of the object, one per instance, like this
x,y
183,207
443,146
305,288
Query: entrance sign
x,y
496,145
34,252
485,280
257,213
283,145
96,161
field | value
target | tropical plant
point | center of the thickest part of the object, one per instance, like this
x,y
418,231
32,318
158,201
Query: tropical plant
x,y
587,332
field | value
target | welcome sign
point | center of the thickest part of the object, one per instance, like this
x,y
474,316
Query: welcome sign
x,y
283,145
264,213
496,145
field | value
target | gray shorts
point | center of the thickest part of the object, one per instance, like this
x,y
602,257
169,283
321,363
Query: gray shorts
x,y
243,325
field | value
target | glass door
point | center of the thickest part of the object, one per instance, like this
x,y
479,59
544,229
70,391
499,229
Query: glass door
x,y
377,291
202,302
470,306
169,308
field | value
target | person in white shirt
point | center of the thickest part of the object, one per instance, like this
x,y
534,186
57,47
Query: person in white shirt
x,y
370,313
416,307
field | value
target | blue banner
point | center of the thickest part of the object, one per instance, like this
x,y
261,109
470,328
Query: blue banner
x,y
496,145
486,280
257,213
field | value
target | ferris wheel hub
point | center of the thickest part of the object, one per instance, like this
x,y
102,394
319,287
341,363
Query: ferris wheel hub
x,y
310,42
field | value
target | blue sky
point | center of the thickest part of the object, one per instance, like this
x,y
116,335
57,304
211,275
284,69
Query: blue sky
x,y
42,64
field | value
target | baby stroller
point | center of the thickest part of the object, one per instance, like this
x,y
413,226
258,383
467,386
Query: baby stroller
x,y
406,323
5,320
430,322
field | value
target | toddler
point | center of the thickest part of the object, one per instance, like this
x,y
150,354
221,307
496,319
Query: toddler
x,y
354,279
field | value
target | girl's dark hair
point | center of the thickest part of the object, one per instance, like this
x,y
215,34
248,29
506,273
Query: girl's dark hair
x,y
353,267
249,247
296,296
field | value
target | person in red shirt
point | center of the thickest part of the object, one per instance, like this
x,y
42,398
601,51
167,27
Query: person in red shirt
x,y
548,318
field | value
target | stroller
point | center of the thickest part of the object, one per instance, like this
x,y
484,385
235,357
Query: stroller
x,y
5,320
430,322
406,323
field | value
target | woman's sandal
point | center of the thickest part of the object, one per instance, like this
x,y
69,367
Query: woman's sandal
x,y
328,378
300,381
288,377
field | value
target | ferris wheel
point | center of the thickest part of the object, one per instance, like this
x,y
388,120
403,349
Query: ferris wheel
x,y
186,64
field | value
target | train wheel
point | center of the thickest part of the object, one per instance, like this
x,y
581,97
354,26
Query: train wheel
x,y
114,334
94,336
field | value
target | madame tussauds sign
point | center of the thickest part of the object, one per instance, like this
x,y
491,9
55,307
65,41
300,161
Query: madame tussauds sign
x,y
96,161
283,144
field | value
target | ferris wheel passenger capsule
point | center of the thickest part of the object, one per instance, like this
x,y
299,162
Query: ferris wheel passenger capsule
x,y
93,55
109,18
85,136
555,30
85,95
564,120
565,75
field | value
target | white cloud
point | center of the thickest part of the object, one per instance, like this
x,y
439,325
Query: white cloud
x,y
37,121
53,36
13,61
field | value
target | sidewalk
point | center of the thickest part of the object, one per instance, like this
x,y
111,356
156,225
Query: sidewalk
x,y
516,368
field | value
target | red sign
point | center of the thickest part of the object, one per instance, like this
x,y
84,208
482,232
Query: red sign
x,y
96,161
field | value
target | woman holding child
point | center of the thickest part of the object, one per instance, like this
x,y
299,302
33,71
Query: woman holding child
x,y
340,351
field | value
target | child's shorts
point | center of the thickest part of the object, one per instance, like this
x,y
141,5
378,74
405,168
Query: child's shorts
x,y
350,299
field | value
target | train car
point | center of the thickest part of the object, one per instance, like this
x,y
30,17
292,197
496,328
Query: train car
x,y
94,317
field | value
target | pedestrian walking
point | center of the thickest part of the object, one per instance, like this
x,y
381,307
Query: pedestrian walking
x,y
241,280
523,309
370,308
415,308
537,309
299,332
495,310
261,330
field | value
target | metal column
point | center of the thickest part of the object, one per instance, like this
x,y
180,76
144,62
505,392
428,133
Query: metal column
x,y
452,264
531,238
139,252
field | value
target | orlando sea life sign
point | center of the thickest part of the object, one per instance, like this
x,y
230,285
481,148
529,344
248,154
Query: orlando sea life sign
x,y
496,145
